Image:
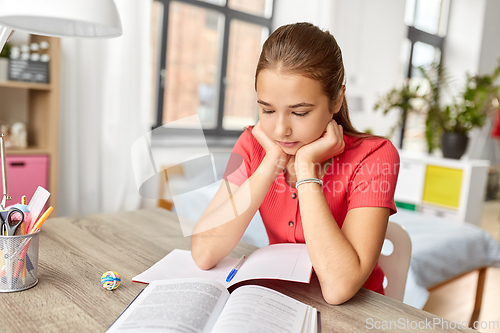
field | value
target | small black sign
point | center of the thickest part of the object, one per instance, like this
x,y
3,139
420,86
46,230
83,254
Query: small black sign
x,y
29,71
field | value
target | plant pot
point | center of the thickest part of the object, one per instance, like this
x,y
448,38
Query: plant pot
x,y
453,144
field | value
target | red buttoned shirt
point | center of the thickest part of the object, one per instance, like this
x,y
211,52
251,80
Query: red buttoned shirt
x,y
364,175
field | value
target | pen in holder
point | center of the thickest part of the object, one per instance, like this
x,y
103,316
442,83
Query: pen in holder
x,y
18,254
18,262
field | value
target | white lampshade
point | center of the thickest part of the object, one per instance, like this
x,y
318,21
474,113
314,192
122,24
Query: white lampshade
x,y
62,18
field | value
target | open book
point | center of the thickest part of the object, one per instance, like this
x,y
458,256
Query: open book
x,y
202,306
289,262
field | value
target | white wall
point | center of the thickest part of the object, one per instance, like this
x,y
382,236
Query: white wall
x,y
462,49
472,46
370,34
318,12
490,45
472,43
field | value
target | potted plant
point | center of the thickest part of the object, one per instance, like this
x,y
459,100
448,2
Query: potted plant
x,y
4,62
448,125
447,122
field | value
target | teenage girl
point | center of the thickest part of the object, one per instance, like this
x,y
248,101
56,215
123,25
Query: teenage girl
x,y
314,178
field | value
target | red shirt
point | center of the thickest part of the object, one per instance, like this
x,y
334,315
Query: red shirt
x,y
364,175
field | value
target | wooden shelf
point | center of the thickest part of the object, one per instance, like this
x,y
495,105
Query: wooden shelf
x,y
25,85
37,106
27,151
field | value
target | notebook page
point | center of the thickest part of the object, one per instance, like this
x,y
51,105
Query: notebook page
x,y
180,264
278,261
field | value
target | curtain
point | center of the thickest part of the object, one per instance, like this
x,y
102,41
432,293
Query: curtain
x,y
106,88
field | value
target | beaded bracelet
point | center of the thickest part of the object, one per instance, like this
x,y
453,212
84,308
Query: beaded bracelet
x,y
308,180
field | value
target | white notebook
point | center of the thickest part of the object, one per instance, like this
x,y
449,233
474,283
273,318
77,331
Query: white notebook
x,y
289,262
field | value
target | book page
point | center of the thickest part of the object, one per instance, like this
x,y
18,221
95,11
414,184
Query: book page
x,y
310,324
260,309
307,321
181,306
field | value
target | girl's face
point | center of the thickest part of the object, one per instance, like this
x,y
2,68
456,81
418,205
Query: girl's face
x,y
293,109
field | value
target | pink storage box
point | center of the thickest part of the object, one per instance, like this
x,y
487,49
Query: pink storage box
x,y
24,175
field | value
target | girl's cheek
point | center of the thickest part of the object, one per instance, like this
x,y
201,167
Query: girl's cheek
x,y
266,131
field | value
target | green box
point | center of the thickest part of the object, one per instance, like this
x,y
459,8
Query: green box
x,y
405,205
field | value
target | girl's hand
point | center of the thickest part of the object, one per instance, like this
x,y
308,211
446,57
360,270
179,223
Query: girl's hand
x,y
330,144
272,148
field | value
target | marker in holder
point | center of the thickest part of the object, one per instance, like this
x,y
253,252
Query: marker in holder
x,y
18,262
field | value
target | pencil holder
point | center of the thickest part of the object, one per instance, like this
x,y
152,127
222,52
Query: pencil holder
x,y
18,262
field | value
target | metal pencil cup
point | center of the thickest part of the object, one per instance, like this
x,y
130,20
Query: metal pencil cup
x,y
18,262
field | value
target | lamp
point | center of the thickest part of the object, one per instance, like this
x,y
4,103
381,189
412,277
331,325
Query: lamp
x,y
56,18
62,18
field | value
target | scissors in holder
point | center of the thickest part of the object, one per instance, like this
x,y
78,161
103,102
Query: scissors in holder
x,y
10,220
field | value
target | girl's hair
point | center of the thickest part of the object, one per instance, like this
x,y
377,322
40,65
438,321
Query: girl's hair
x,y
303,48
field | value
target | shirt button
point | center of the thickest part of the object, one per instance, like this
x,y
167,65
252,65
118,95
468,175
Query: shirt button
x,y
294,195
290,223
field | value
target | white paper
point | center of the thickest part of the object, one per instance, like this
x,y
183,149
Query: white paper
x,y
279,261
36,204
288,261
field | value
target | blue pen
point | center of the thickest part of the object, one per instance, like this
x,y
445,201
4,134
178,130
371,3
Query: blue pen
x,y
235,269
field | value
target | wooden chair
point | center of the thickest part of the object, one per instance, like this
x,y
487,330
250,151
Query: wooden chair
x,y
481,277
165,199
396,264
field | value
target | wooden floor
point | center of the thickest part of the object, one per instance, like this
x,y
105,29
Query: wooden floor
x,y
455,301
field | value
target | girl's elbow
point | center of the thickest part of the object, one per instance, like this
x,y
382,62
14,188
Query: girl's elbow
x,y
337,296
204,265
202,261
202,258
335,299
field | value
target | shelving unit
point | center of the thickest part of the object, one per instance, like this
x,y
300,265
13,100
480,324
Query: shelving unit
x,y
39,105
453,189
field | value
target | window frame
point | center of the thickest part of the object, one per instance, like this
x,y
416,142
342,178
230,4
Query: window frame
x,y
416,35
217,134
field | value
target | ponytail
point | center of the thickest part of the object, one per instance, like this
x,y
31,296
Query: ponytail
x,y
342,118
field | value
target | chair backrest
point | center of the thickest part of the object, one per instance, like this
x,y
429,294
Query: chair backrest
x,y
396,264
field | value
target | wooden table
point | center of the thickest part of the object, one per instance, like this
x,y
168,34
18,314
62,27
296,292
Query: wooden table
x,y
75,251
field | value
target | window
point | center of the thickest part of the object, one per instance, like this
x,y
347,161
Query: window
x,y
207,52
427,21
